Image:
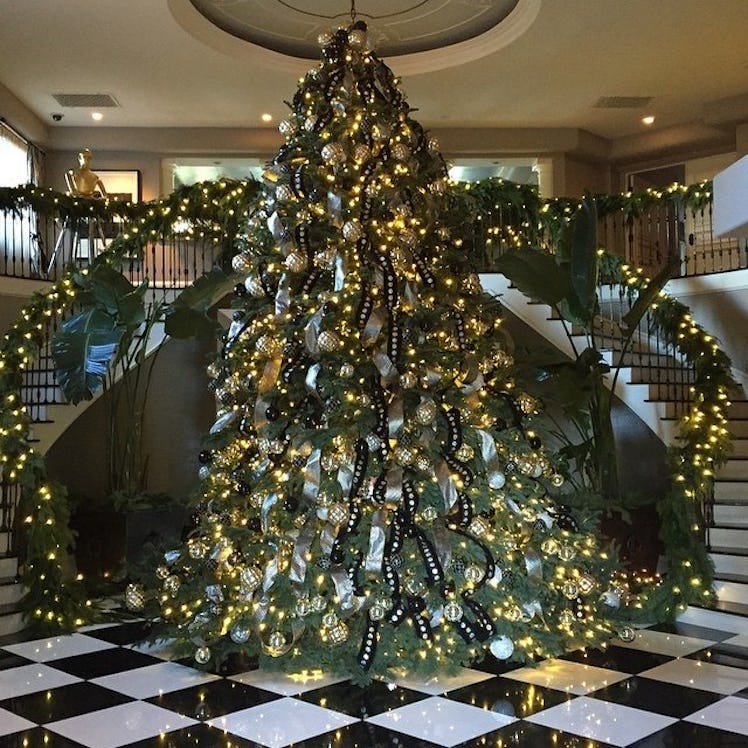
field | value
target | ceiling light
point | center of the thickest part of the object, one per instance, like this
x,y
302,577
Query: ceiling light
x,y
97,116
267,117
648,120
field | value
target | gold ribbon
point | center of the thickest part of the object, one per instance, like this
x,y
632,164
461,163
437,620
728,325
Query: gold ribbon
x,y
373,325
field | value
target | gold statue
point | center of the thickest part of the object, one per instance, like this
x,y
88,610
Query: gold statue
x,y
82,182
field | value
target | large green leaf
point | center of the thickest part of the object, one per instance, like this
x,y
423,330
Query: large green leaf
x,y
107,286
536,274
82,349
187,316
583,261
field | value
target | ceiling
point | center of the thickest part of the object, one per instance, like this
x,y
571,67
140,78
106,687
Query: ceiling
x,y
168,67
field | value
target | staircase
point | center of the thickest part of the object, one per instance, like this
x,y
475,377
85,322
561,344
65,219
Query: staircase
x,y
655,387
728,537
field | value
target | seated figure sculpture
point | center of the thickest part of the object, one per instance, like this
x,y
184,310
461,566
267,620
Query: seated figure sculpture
x,y
82,182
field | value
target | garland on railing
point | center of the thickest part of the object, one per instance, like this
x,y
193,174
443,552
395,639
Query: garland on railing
x,y
214,210
53,600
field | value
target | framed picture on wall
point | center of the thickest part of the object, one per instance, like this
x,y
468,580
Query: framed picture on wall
x,y
121,185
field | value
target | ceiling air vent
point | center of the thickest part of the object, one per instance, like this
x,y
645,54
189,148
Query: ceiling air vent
x,y
622,102
94,101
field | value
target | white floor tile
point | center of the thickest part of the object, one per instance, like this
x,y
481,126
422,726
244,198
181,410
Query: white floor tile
x,y
57,647
741,640
441,684
729,714
20,681
708,676
659,642
282,722
571,677
441,721
151,680
286,684
10,723
602,720
120,725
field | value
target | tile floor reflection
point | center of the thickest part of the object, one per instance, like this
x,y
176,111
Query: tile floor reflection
x,y
680,685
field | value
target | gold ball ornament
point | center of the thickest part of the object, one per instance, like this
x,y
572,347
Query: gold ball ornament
x,y
295,262
433,146
303,607
172,584
277,640
566,617
400,152
474,573
627,634
135,597
250,577
338,514
267,345
527,403
333,153
162,572
428,514
479,527
360,153
426,412
357,39
465,453
408,238
241,263
404,456
567,553
285,127
318,603
352,231
346,371
550,546
424,464
408,380
325,37
240,633
337,634
570,590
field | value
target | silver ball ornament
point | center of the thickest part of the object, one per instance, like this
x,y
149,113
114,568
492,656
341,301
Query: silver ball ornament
x,y
202,655
240,633
502,647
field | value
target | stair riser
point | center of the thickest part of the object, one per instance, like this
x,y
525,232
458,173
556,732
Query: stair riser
x,y
8,567
10,594
739,447
738,428
11,623
728,538
730,492
732,591
738,409
654,376
733,470
726,514
725,563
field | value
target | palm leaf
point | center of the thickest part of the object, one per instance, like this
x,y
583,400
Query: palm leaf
x,y
83,349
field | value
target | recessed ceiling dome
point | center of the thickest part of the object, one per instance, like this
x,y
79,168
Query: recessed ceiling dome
x,y
428,34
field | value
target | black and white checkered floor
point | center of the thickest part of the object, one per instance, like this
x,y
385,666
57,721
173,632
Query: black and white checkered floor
x,y
685,685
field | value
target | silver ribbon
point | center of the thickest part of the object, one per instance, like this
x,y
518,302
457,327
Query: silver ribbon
x,y
271,572
267,504
532,609
375,555
373,325
301,548
311,475
446,484
340,272
344,590
276,226
327,538
282,295
335,208
496,479
261,405
395,415
474,386
345,478
311,332
394,492
311,379
385,366
440,536
534,565
223,421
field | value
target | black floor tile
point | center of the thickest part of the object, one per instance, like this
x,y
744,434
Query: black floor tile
x,y
213,699
375,699
104,662
8,660
690,629
512,698
37,738
528,735
623,659
198,736
60,703
690,735
131,632
657,696
723,654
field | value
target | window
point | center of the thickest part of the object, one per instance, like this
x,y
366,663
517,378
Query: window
x,y
14,162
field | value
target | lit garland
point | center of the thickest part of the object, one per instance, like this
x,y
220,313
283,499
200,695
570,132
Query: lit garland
x,y
217,210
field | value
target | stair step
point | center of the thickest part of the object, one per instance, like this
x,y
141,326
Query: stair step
x,y
731,515
729,564
738,428
730,491
728,537
733,469
658,375
12,623
11,591
8,566
739,448
670,391
733,592
738,409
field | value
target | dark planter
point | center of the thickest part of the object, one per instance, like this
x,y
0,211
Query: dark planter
x,y
107,539
638,538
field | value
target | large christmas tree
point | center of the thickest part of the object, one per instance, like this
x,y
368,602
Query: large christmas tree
x,y
373,494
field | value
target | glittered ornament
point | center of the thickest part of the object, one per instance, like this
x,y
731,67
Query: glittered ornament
x,y
426,412
318,603
566,553
479,527
428,514
404,456
333,153
361,153
557,479
352,231
285,128
570,589
196,548
134,597
550,546
453,611
277,640
328,341
465,453
295,262
241,263
377,612
202,655
501,647
433,146
162,572
283,193
586,584
325,37
338,514
267,344
346,371
303,608
250,577
424,464
408,238
527,403
566,617
439,186
408,380
338,633
400,151
357,38
415,586
240,633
